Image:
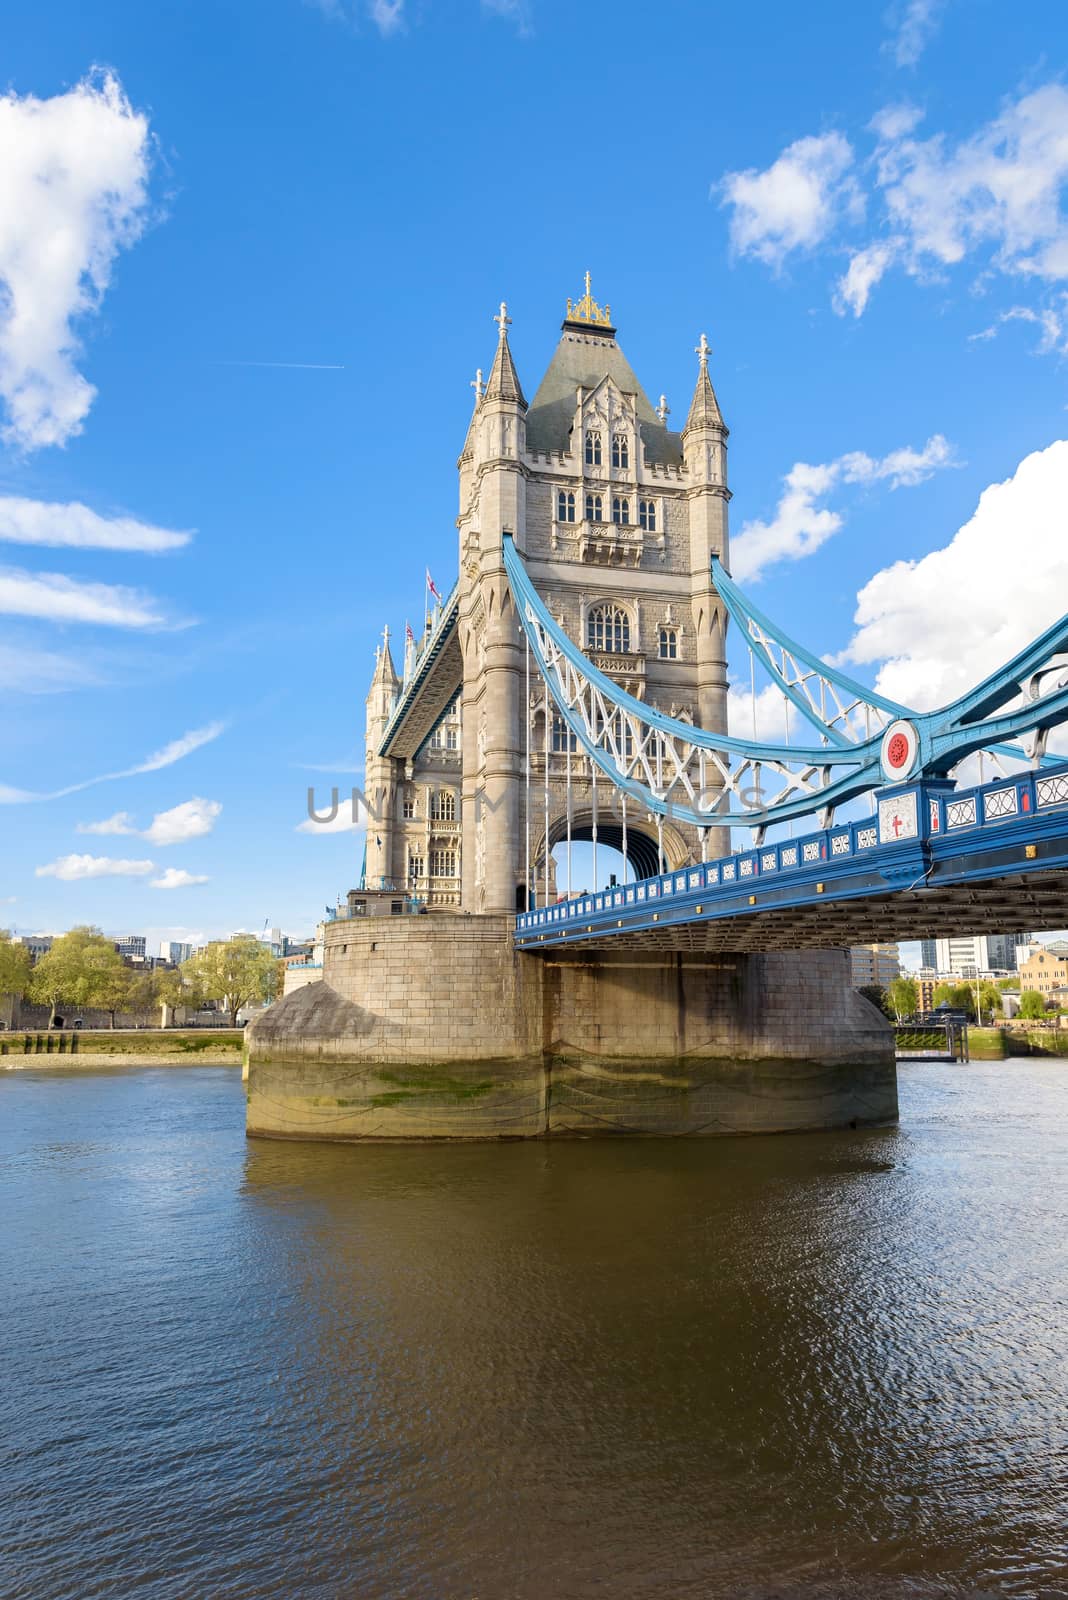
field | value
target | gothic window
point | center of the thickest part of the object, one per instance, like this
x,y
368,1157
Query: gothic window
x,y
594,508
563,737
416,866
443,863
408,807
669,644
608,628
443,806
620,450
565,507
593,448
452,737
647,515
620,510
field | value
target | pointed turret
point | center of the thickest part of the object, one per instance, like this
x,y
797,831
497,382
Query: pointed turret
x,y
472,430
385,675
504,379
704,407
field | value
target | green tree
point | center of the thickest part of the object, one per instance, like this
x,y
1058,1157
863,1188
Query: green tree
x,y
15,969
1032,1005
80,970
234,971
877,995
904,997
961,996
990,999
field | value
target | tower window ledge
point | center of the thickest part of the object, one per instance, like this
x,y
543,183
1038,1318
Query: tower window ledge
x,y
618,665
611,544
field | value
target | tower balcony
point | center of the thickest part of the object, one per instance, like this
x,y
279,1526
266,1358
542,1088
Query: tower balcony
x,y
610,544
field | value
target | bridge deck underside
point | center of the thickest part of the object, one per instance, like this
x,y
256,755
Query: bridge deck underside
x,y
1031,900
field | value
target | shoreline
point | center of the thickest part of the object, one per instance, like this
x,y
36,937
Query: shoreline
x,y
77,1062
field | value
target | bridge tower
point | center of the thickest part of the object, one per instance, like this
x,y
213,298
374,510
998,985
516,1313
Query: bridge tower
x,y
616,517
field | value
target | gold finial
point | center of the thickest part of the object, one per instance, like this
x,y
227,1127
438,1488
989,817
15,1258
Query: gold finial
x,y
587,310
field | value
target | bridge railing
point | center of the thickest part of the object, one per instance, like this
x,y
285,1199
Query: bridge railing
x,y
895,843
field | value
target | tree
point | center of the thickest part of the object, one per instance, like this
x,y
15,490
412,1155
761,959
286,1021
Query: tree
x,y
904,997
960,996
877,995
990,999
1032,1005
80,970
234,971
15,969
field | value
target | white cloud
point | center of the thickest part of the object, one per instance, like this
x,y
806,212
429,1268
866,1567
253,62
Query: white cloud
x,y
387,15
61,599
771,716
121,822
190,820
998,583
796,202
994,198
176,750
71,868
177,878
75,526
31,671
73,193
801,524
916,21
865,269
351,814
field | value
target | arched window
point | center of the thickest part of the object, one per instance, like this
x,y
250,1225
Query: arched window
x,y
594,508
620,450
408,805
647,515
669,644
443,806
608,628
593,448
620,510
565,507
416,866
564,737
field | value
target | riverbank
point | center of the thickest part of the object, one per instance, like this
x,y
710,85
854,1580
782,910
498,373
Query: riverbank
x,y
998,1044
173,1047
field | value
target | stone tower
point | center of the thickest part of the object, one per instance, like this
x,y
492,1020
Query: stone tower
x,y
616,518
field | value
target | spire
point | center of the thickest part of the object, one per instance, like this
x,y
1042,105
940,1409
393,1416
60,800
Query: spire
x,y
704,407
503,379
469,439
385,672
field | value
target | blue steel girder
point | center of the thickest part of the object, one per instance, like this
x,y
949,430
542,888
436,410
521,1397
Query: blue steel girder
x,y
809,683
707,778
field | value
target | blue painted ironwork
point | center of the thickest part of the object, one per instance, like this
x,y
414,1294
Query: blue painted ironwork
x,y
706,778
427,654
925,834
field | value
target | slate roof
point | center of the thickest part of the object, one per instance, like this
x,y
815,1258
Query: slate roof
x,y
584,359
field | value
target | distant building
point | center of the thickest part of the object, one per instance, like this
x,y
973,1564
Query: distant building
x,y
1046,969
132,947
929,954
874,963
965,955
175,952
38,944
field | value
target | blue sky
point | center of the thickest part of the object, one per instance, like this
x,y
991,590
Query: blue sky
x,y
250,255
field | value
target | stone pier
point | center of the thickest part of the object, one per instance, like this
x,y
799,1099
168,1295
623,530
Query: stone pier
x,y
435,1028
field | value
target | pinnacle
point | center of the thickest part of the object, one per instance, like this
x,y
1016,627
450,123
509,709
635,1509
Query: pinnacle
x,y
503,379
704,407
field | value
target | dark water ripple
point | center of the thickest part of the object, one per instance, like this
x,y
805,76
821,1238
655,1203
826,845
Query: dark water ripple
x,y
811,1368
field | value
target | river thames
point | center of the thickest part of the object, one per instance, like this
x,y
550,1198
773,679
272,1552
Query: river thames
x,y
811,1366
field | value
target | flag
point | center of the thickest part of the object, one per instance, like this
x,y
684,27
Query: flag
x,y
408,634
430,585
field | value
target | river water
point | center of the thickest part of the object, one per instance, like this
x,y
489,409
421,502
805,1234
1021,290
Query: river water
x,y
806,1366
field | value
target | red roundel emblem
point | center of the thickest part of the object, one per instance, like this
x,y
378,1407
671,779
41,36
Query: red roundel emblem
x,y
897,751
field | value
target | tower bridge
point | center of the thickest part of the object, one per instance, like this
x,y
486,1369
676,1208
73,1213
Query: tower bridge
x,y
573,686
